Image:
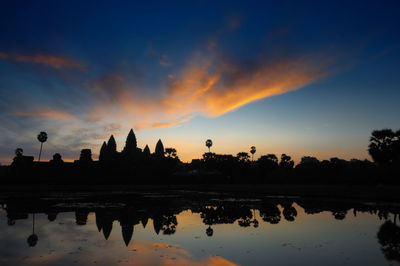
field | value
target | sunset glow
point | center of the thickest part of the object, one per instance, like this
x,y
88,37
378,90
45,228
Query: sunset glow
x,y
247,75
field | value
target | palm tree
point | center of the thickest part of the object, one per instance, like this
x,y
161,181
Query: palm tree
x,y
209,231
255,221
42,137
170,152
384,146
33,238
252,151
209,143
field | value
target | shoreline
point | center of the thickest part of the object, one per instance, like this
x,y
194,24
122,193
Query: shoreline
x,y
377,192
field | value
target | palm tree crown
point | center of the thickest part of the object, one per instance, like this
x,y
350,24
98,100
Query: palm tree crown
x,y
209,143
42,137
252,151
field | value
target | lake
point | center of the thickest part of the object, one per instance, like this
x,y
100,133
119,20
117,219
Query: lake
x,y
193,228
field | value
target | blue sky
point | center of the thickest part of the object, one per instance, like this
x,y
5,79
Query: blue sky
x,y
309,78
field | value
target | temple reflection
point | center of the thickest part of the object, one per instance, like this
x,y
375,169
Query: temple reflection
x,y
130,211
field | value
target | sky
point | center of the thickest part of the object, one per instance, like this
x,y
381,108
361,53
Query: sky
x,y
294,77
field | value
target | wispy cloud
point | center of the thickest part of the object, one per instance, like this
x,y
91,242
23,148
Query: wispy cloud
x,y
54,114
173,123
210,84
164,61
55,61
215,87
207,85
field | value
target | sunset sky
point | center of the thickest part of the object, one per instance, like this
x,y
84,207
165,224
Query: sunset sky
x,y
301,78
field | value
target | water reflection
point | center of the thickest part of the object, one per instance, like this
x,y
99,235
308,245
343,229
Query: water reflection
x,y
389,238
121,214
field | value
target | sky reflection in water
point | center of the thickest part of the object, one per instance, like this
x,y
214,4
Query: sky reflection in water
x,y
272,232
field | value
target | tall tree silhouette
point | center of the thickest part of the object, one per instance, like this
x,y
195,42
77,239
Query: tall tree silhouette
x,y
384,146
159,152
170,152
286,162
309,160
267,163
252,151
243,157
209,143
42,137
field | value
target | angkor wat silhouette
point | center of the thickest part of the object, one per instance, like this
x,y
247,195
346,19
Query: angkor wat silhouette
x,y
132,165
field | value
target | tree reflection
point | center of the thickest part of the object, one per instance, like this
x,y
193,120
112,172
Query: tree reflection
x,y
339,215
237,212
33,238
169,224
166,223
289,212
389,238
209,231
270,213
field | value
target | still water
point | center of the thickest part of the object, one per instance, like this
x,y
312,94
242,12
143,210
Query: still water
x,y
190,228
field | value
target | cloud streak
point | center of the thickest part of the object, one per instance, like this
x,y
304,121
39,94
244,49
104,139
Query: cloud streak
x,y
173,123
47,113
210,84
207,85
215,88
55,61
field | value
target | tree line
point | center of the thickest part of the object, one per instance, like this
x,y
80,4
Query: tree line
x,y
133,165
161,216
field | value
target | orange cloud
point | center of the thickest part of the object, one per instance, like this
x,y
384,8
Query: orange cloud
x,y
211,261
170,248
211,86
55,61
215,89
174,256
47,113
173,123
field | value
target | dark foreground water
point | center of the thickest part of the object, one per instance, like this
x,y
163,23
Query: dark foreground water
x,y
189,228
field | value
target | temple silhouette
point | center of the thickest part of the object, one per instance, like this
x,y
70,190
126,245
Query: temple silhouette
x,y
133,165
